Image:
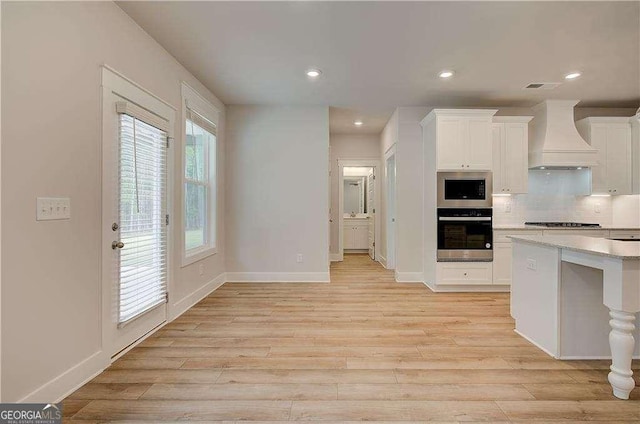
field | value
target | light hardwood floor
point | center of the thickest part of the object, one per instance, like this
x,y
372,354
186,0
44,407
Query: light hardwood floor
x,y
360,348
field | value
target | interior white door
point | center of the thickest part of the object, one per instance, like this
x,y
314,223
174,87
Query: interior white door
x,y
329,219
372,212
391,212
134,222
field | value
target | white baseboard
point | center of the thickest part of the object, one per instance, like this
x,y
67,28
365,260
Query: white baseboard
x,y
189,300
69,381
75,377
335,257
383,261
466,288
409,277
278,277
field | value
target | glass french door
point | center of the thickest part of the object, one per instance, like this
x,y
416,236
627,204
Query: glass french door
x,y
135,234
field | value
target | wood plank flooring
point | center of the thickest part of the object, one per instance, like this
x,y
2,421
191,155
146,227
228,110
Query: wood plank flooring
x,y
360,348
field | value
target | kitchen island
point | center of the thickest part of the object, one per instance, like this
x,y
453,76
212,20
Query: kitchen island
x,y
566,288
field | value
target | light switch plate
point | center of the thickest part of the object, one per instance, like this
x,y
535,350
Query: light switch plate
x,y
532,264
53,208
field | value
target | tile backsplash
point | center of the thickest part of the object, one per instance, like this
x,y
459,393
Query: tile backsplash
x,y
542,207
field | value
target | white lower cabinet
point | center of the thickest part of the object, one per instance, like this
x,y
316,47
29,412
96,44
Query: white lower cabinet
x,y
463,273
502,263
356,234
502,253
499,271
625,234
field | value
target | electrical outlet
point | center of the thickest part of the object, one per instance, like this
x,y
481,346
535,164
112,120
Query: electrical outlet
x,y
532,264
201,269
507,206
596,207
53,208
299,258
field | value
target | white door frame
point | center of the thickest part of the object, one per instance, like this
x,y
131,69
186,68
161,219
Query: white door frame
x,y
369,163
114,83
391,242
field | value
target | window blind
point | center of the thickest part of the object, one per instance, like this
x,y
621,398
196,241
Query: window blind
x,y
142,265
142,114
200,120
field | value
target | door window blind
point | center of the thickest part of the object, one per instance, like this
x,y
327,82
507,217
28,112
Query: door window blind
x,y
142,215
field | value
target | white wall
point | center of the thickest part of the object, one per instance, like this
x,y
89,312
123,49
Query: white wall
x,y
51,146
347,146
409,172
277,193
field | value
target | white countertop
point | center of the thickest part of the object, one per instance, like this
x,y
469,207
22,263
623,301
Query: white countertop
x,y
536,227
594,245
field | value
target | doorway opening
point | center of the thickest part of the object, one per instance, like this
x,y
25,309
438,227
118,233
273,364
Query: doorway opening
x,y
358,228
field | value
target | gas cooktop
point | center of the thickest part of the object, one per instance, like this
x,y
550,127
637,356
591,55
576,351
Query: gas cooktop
x,y
562,224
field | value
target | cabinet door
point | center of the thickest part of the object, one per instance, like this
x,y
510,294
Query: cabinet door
x,y
450,145
347,233
361,236
478,140
599,172
515,158
619,158
497,132
502,263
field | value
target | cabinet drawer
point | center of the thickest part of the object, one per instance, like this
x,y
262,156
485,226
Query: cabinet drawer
x,y
502,236
461,273
625,234
586,233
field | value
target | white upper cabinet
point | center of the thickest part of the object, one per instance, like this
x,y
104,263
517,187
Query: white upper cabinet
x,y
510,154
612,137
451,147
463,138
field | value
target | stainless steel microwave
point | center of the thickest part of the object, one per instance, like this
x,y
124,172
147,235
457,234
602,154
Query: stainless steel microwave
x,y
464,189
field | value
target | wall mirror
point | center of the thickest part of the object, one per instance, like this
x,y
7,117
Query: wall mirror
x,y
355,191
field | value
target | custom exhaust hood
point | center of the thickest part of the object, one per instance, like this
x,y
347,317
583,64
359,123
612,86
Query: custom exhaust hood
x,y
554,142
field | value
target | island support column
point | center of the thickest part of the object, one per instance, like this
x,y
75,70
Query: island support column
x,y
622,297
622,343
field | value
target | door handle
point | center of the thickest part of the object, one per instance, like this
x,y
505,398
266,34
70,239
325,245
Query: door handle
x,y
117,244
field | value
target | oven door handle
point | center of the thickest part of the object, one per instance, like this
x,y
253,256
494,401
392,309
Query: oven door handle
x,y
460,219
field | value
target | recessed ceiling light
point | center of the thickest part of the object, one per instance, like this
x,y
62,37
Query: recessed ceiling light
x,y
542,167
446,74
579,167
572,75
358,123
313,73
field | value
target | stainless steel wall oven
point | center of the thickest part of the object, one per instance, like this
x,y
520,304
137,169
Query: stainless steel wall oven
x,y
465,234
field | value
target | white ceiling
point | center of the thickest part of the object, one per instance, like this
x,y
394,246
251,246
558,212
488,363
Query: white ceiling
x,y
379,55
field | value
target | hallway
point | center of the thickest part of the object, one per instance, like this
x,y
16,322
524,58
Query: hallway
x,y
360,348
